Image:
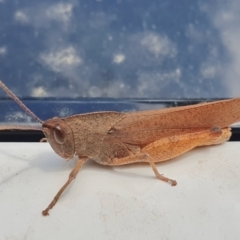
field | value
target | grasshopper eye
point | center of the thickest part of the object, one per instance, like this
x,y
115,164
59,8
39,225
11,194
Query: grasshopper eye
x,y
59,135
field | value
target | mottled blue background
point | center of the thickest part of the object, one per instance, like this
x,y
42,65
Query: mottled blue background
x,y
123,48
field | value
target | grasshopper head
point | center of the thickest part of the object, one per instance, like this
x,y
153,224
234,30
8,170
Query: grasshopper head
x,y
60,136
56,130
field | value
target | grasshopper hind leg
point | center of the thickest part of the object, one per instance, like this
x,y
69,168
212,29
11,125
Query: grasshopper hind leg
x,y
171,147
167,148
160,176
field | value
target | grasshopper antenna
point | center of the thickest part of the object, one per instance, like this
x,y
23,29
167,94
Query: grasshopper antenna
x,y
19,102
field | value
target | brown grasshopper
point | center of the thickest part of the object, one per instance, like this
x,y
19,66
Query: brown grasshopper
x,y
117,138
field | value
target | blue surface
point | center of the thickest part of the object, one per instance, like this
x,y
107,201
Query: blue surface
x,y
141,49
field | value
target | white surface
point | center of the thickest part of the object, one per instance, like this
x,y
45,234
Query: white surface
x,y
123,202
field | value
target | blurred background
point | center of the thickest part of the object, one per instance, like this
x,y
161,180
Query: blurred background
x,y
120,48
